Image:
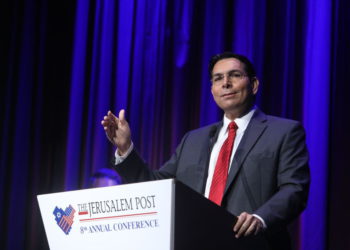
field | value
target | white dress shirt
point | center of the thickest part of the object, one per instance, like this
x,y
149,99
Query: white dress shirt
x,y
242,124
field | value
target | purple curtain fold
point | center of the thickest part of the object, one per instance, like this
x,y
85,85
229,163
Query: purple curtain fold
x,y
316,118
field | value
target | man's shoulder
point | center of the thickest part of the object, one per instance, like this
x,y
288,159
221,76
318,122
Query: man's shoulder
x,y
276,124
281,120
274,120
206,130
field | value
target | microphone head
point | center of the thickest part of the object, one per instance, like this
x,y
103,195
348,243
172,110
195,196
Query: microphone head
x,y
212,131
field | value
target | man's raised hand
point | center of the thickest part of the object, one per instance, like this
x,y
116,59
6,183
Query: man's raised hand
x,y
117,131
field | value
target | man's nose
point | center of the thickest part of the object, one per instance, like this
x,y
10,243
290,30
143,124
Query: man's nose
x,y
227,82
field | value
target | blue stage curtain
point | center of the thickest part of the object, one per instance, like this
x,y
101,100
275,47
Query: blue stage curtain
x,y
64,64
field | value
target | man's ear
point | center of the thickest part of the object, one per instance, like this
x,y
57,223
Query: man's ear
x,y
255,85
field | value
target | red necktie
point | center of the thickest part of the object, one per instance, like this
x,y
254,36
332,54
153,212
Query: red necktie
x,y
218,183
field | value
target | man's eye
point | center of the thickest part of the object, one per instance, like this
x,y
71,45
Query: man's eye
x,y
236,75
218,78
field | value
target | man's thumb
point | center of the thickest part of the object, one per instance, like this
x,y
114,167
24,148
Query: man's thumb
x,y
122,115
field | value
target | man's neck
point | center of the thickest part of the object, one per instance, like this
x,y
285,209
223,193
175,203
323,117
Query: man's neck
x,y
237,113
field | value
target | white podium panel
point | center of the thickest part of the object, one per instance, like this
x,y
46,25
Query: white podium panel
x,y
128,217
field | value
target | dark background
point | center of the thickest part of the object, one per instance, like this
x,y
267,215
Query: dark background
x,y
65,63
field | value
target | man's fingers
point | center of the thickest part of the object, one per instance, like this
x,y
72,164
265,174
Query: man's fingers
x,y
243,228
251,228
239,223
111,118
246,225
111,115
109,124
241,219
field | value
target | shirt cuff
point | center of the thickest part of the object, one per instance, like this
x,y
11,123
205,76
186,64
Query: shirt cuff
x,y
120,158
261,219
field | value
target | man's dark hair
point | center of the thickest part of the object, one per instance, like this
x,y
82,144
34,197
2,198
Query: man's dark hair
x,y
106,173
248,66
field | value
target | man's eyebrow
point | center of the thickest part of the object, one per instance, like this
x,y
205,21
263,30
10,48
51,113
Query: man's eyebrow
x,y
235,70
230,71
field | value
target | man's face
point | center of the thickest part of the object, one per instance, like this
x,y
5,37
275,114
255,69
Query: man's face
x,y
232,89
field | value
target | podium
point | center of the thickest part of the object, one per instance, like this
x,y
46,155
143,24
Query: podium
x,y
155,215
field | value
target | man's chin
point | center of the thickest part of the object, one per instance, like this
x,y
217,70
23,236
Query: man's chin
x,y
236,109
231,106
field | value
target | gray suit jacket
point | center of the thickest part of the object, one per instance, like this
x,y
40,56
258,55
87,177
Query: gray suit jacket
x,y
269,175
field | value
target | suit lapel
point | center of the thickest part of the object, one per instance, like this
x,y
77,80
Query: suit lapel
x,y
202,169
252,134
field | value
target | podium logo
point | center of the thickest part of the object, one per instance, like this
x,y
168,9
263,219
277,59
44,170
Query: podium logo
x,y
64,218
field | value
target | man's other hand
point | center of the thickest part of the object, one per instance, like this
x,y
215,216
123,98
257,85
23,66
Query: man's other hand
x,y
246,225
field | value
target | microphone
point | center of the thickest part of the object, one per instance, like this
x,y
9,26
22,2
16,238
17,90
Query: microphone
x,y
213,134
212,131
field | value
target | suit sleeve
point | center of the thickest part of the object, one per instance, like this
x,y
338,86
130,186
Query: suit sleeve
x,y
134,169
293,179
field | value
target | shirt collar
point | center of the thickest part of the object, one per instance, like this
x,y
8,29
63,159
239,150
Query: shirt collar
x,y
242,122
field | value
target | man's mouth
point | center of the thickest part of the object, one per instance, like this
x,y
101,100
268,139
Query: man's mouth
x,y
230,94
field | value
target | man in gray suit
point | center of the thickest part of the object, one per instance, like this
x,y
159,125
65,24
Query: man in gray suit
x,y
267,179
